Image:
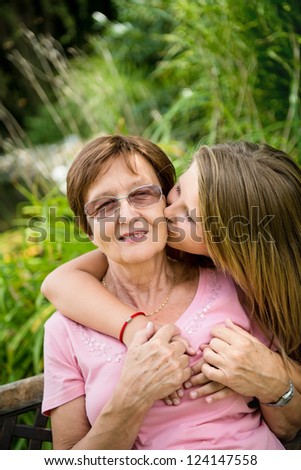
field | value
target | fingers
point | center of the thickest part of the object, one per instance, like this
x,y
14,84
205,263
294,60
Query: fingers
x,y
168,400
174,398
214,374
198,379
171,334
232,326
230,332
186,375
189,349
219,395
212,357
225,334
167,332
143,336
157,326
212,392
207,389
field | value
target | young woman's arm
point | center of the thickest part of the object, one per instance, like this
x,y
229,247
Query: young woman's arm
x,y
92,304
285,421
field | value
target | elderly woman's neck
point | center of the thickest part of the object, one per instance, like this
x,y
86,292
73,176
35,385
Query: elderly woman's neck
x,y
142,284
141,274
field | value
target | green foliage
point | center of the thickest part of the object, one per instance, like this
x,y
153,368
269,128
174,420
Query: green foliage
x,y
228,70
83,96
139,33
177,70
46,237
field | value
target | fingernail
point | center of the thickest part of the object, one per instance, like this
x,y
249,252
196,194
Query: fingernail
x,y
149,325
187,384
209,400
168,402
180,392
192,351
193,395
176,401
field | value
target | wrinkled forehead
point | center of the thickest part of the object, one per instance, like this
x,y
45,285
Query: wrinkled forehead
x,y
122,172
127,159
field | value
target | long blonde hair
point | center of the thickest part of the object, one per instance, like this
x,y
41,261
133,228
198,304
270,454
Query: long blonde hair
x,y
250,201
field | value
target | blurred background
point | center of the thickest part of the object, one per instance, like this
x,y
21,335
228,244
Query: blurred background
x,y
179,72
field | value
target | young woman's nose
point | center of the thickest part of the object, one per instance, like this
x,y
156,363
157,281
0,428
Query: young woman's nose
x,y
171,211
171,197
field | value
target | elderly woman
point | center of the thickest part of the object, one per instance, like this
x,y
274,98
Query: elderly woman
x,y
117,187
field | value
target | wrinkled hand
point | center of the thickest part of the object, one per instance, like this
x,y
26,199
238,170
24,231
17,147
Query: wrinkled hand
x,y
175,397
241,362
156,364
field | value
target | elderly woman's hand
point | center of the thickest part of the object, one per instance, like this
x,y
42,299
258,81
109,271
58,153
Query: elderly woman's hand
x,y
155,365
175,397
234,358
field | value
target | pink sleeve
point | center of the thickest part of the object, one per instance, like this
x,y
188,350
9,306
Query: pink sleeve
x,y
63,380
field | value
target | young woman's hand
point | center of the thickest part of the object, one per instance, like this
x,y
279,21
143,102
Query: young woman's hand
x,y
236,359
204,387
174,398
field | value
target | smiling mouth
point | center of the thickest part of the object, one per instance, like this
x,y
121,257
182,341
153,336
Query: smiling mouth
x,y
133,236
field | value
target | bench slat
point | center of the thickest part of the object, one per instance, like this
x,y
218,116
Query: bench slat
x,y
17,399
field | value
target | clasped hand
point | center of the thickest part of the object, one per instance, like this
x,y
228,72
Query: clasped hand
x,y
233,361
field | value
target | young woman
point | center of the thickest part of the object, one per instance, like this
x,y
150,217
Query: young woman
x,y
237,204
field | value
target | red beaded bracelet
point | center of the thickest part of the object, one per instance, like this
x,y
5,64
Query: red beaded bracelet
x,y
127,321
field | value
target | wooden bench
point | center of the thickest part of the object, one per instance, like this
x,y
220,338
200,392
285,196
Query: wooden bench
x,y
21,421
19,398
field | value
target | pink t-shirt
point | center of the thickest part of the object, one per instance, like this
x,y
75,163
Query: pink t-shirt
x,y
81,361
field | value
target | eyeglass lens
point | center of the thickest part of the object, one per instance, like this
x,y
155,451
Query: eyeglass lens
x,y
141,197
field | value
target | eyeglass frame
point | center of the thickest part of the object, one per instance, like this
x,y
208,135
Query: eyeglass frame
x,y
117,199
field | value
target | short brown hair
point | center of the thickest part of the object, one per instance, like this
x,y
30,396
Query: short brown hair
x,y
89,162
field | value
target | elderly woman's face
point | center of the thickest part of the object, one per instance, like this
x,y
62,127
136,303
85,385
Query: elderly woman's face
x,y
128,234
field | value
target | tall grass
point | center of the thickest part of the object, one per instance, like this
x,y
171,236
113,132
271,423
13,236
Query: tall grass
x,y
237,73
81,95
223,70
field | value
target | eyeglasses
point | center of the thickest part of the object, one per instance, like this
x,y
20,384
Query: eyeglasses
x,y
106,206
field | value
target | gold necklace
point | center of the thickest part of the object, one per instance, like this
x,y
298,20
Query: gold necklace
x,y
165,301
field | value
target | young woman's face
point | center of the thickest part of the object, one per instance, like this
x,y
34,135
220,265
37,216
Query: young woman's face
x,y
185,224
